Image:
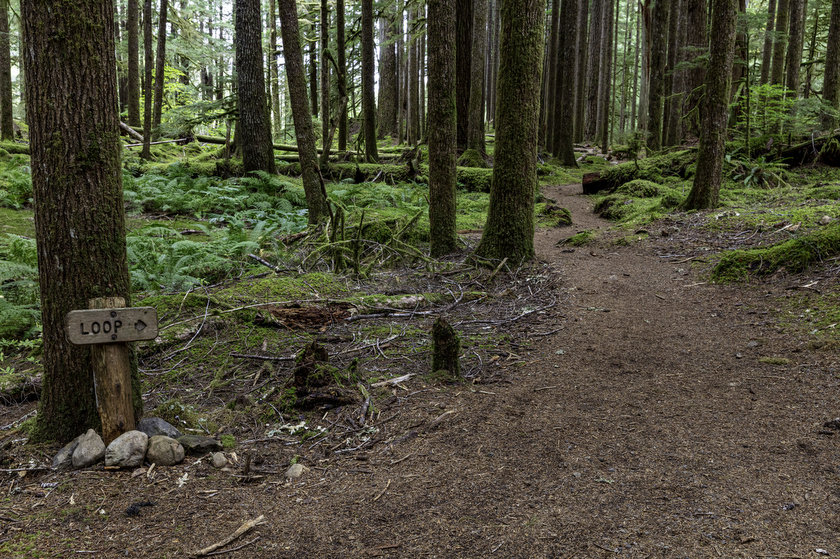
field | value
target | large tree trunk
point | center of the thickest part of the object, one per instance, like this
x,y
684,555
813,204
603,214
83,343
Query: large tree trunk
x,y
566,85
388,78
341,78
697,45
673,103
148,61
605,93
368,99
596,29
442,127
316,199
509,231
706,189
831,84
463,46
76,181
767,51
475,130
160,65
581,70
658,59
273,72
7,126
133,24
780,41
325,83
795,42
254,128
549,122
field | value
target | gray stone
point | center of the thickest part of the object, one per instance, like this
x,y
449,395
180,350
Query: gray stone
x,y
164,451
156,426
219,460
127,450
64,459
295,471
196,444
89,451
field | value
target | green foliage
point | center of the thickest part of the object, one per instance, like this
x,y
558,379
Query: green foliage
x,y
15,182
654,169
18,287
760,172
794,256
637,202
471,158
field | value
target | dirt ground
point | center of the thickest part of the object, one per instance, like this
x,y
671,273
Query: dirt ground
x,y
645,413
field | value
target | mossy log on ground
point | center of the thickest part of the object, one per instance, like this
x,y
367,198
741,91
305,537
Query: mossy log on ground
x,y
822,149
794,256
676,164
15,147
446,350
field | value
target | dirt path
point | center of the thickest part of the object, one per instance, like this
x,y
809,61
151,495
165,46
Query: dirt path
x,y
645,426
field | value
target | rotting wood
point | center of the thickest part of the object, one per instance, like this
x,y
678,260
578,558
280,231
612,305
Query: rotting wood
x,y
131,131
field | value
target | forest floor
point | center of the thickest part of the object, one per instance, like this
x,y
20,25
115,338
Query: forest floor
x,y
640,411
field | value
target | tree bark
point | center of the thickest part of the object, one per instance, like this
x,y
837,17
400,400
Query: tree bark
x,y
133,32
463,45
673,104
388,78
831,83
316,199
313,75
273,72
325,83
442,127
475,130
697,45
780,40
706,189
509,231
767,51
566,85
340,47
76,181
581,70
368,99
160,65
605,93
549,123
658,59
793,62
596,28
148,67
7,125
254,128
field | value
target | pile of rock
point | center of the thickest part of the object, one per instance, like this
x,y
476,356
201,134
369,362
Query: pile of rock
x,y
155,441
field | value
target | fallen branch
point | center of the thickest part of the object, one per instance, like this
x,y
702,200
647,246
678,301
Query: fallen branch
x,y
387,485
395,380
248,526
237,548
131,131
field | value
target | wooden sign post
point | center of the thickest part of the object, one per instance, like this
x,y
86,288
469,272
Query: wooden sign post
x,y
107,326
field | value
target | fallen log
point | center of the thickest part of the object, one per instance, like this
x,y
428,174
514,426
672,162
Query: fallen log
x,y
131,131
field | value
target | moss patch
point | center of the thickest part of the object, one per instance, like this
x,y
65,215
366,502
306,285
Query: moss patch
x,y
471,158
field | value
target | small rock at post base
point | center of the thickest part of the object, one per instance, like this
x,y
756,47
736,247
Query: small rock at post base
x,y
89,451
127,450
196,444
164,451
219,460
156,426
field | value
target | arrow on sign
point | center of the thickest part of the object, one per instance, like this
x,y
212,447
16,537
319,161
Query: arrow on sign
x,y
140,325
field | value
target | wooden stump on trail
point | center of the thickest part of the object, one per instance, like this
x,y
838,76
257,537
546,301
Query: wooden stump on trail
x,y
446,349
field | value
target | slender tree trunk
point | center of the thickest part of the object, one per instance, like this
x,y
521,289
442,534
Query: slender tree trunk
x,y
442,127
548,121
796,39
316,199
340,47
767,51
634,103
673,86
414,83
148,61
7,125
325,83
622,119
133,32
604,115
739,66
388,79
697,45
313,74
706,189
254,128
509,232
274,75
76,180
463,29
658,59
368,100
581,68
567,84
475,135
160,65
495,49
399,17
780,41
489,84
831,84
596,27
812,49
422,94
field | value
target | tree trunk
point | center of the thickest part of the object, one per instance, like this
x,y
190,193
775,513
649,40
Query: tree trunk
x,y
812,50
254,127
831,85
475,131
148,67
697,45
658,59
495,64
604,116
313,75
160,65
463,45
368,99
509,231
566,85
767,51
622,119
388,79
442,127
273,72
673,103
316,199
636,56
342,75
795,42
596,28
706,189
549,122
414,84
780,40
133,32
76,180
581,70
7,125
325,83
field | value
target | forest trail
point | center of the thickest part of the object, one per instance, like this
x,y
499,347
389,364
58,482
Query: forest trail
x,y
646,414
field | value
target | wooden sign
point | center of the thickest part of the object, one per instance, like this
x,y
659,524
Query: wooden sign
x,y
108,326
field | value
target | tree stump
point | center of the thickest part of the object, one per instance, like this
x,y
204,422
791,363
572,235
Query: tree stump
x,y
446,349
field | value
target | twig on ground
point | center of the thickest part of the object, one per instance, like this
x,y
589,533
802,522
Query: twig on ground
x,y
387,485
238,547
246,527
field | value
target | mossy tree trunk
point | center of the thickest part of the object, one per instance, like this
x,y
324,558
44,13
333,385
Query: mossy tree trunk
x,y
658,61
475,125
509,231
254,127
342,74
7,126
463,48
767,51
76,180
325,83
133,32
831,84
796,40
442,126
296,77
368,97
388,77
446,350
567,85
160,67
780,40
706,189
593,66
277,122
148,60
